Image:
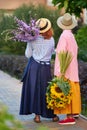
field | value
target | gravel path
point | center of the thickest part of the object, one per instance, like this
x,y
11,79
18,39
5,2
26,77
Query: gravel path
x,y
10,93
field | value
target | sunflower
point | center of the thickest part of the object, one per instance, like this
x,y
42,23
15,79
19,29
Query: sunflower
x,y
58,93
55,97
61,104
54,91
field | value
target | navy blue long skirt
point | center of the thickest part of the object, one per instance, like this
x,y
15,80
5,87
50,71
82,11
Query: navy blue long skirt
x,y
35,82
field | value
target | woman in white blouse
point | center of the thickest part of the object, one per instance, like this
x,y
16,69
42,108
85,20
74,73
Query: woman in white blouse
x,y
38,73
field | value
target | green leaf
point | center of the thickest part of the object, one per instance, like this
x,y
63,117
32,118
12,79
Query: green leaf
x,y
64,86
71,6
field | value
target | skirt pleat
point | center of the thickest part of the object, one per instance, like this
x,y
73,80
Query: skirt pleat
x,y
35,82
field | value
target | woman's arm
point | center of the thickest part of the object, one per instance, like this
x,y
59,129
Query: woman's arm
x,y
28,51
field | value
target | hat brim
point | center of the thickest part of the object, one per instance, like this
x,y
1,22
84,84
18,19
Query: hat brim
x,y
59,23
48,26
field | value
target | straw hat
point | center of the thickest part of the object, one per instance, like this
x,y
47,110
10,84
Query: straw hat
x,y
44,24
66,22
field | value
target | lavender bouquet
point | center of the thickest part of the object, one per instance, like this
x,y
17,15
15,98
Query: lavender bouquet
x,y
23,32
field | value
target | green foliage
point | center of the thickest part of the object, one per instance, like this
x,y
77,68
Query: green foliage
x,y
81,38
9,47
7,121
84,106
25,13
71,6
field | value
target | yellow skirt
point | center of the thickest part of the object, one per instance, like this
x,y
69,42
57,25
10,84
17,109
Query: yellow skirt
x,y
75,106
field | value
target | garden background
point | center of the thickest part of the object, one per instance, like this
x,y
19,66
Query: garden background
x,y
12,57
25,13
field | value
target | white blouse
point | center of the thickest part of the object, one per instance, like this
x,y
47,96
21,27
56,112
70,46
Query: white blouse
x,y
41,49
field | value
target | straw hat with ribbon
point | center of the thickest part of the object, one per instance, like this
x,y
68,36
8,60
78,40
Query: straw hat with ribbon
x,y
66,22
44,24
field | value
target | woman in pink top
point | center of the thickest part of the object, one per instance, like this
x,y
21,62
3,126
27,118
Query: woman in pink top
x,y
67,42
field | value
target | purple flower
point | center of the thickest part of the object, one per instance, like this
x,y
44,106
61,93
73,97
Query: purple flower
x,y
25,32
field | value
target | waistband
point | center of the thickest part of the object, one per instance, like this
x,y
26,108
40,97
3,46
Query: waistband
x,y
44,62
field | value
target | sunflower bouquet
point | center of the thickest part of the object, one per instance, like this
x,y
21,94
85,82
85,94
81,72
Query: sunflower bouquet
x,y
58,94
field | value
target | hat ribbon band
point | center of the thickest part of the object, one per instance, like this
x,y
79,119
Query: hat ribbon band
x,y
44,26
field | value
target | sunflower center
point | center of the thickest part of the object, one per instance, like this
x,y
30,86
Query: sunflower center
x,y
57,89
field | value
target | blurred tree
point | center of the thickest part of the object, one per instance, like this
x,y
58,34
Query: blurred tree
x,y
72,6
